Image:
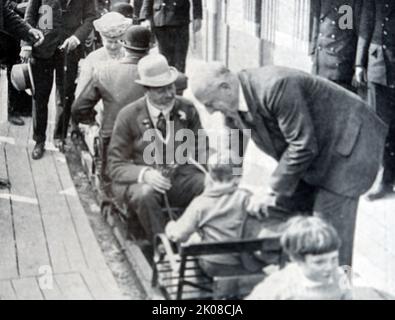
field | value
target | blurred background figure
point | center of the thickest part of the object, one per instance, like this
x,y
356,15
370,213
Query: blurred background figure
x,y
61,51
375,66
170,21
123,8
19,103
334,43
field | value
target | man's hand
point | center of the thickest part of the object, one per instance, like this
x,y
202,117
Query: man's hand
x,y
26,54
197,25
146,23
360,76
37,36
157,181
70,44
259,204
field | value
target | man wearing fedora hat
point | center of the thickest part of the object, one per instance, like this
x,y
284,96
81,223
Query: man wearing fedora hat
x,y
61,51
145,183
114,84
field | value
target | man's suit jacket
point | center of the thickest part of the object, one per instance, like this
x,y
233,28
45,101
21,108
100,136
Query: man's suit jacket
x,y
318,131
74,18
333,47
170,12
11,23
114,84
127,147
12,30
376,45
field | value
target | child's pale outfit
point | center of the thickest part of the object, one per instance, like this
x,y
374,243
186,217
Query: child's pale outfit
x,y
291,284
217,215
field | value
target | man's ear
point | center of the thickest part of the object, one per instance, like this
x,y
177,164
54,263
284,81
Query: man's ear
x,y
224,85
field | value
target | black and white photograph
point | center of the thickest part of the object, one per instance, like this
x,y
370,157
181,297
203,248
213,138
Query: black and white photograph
x,y
204,150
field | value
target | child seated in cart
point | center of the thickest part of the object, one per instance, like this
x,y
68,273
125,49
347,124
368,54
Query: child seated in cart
x,y
217,215
314,272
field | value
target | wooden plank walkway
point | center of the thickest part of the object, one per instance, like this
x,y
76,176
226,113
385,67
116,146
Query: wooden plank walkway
x,y
48,250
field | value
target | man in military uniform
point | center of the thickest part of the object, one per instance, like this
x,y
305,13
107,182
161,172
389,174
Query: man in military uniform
x,y
334,39
170,22
375,64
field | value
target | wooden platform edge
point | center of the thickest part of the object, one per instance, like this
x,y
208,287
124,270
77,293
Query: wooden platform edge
x,y
136,259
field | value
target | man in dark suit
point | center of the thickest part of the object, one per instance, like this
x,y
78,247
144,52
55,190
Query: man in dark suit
x,y
144,158
69,25
334,39
13,25
19,103
376,66
114,84
170,22
326,140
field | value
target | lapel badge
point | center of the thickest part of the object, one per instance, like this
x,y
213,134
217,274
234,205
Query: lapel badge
x,y
147,123
182,115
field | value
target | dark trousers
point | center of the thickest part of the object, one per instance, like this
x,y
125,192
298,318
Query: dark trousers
x,y
146,203
43,70
382,100
338,210
105,180
173,42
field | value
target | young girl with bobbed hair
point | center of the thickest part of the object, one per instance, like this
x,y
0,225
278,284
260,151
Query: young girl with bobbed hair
x,y
313,272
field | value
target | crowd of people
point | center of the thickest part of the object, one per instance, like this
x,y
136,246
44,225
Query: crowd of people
x,y
328,141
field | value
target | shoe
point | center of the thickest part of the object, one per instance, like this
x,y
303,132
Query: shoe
x,y
380,192
16,121
5,184
38,151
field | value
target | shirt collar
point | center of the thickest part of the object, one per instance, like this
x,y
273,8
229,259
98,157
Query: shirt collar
x,y
243,107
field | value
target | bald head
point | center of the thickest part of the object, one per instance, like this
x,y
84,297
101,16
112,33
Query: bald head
x,y
215,86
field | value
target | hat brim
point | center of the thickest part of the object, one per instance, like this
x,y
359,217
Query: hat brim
x,y
135,48
157,83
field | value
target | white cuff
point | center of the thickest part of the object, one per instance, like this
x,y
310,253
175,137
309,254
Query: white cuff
x,y
78,40
27,48
141,175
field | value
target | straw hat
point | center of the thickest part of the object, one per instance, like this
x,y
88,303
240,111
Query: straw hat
x,y
22,77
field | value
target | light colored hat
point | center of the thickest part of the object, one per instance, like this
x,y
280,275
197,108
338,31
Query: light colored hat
x,y
154,71
112,25
22,78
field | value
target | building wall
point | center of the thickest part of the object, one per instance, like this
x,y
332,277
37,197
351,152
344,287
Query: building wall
x,y
251,33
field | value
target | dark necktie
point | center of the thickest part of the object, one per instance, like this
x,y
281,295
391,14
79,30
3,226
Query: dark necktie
x,y
162,126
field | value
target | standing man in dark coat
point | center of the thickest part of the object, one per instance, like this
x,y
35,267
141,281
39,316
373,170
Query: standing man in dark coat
x,y
170,22
376,66
19,103
327,142
65,33
334,39
13,25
